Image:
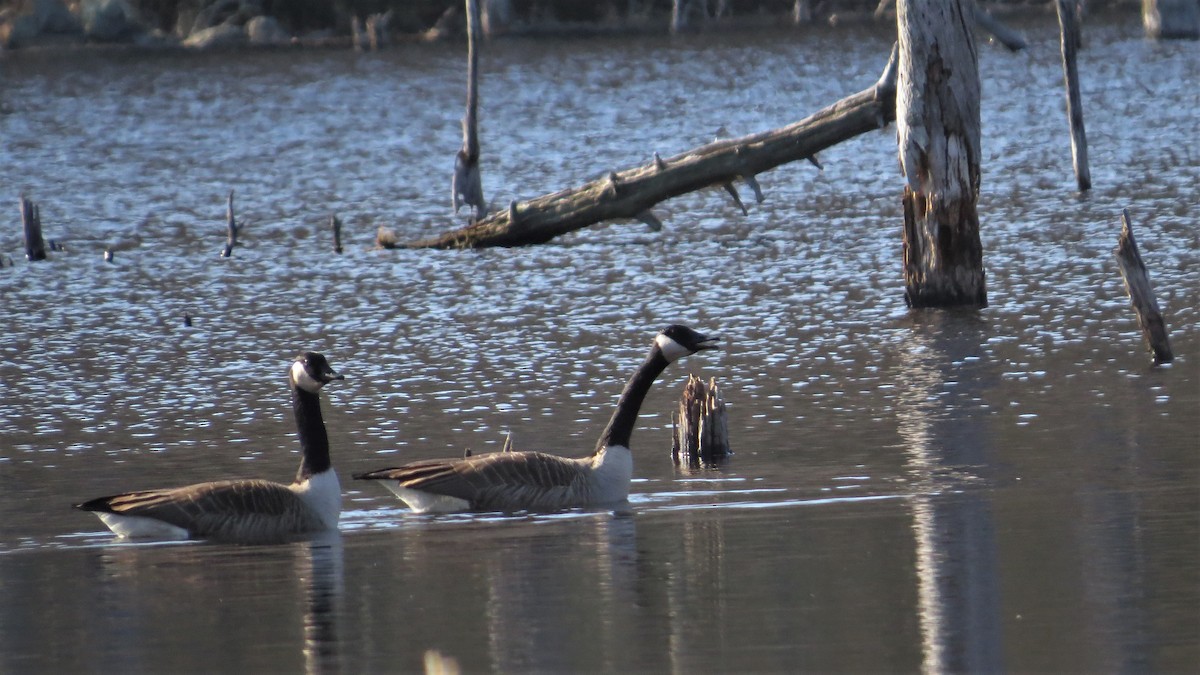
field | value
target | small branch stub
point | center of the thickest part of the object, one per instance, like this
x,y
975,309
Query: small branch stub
x,y
700,430
1141,293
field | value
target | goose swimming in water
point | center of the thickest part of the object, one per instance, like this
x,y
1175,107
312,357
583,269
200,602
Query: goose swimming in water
x,y
512,481
244,510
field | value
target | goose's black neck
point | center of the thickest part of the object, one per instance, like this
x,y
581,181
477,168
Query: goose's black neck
x,y
310,427
620,425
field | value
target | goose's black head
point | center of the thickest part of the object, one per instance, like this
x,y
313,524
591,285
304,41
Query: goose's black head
x,y
676,342
310,371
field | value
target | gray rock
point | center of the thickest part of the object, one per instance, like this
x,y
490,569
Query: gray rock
x,y
18,31
224,35
109,20
265,30
54,17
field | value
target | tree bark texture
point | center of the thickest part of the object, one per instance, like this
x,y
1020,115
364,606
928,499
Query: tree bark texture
x,y
938,123
1068,23
629,194
1141,293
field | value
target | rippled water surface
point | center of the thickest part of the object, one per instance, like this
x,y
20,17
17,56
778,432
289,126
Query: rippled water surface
x,y
1010,489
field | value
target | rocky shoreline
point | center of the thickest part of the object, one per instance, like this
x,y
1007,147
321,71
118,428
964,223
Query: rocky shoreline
x,y
233,24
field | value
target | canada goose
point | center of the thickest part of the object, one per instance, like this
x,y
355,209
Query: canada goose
x,y
244,510
510,481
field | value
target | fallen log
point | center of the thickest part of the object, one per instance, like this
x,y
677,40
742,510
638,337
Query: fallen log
x,y
630,194
1141,293
1006,36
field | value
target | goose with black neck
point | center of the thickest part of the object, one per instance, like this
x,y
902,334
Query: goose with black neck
x,y
247,510
514,481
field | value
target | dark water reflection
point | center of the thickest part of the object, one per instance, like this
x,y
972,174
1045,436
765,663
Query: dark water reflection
x,y
1012,489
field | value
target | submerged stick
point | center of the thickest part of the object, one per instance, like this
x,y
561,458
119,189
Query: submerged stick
x,y
1141,293
700,431
231,228
31,224
1068,24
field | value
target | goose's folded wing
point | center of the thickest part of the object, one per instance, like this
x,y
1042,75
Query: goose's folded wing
x,y
203,507
475,478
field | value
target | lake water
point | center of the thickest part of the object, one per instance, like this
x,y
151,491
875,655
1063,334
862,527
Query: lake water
x,y
1013,489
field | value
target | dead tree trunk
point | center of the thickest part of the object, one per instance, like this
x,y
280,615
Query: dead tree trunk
x,y
1171,19
1141,293
629,194
1068,23
937,119
467,184
31,225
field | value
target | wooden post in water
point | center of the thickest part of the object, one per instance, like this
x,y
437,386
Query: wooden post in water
x,y
467,184
938,127
31,224
699,429
1141,293
231,228
336,226
1068,24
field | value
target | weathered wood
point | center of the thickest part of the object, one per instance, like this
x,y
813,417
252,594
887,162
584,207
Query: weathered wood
x,y
467,184
700,431
1141,293
1068,24
336,226
630,194
31,225
938,124
231,228
1171,19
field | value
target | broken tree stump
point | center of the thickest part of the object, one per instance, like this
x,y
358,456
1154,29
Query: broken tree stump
x,y
700,431
630,194
1068,25
1141,293
467,184
231,228
31,224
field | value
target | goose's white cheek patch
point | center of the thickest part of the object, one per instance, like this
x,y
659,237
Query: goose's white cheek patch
x,y
671,349
303,380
